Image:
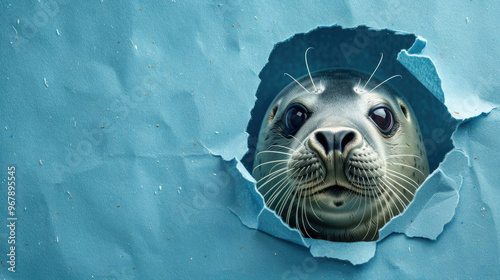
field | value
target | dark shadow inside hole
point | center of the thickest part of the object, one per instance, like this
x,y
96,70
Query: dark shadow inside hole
x,y
358,49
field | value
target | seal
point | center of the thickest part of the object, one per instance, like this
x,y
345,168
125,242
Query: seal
x,y
339,154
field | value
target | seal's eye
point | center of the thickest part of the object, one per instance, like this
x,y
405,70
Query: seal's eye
x,y
295,116
382,117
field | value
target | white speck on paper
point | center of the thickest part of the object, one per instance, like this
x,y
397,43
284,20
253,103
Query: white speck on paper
x,y
135,46
15,30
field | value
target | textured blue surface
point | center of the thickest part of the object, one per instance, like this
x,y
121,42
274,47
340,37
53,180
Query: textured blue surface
x,y
101,103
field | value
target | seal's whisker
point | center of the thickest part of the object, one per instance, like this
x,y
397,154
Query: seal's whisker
x,y
377,197
404,187
350,196
315,200
284,198
371,212
362,198
370,220
377,214
401,175
287,178
276,193
406,165
358,198
386,80
309,72
305,216
289,212
288,188
283,147
286,195
280,182
391,187
393,156
297,82
297,223
281,203
295,138
273,152
386,190
272,175
312,208
389,210
412,195
269,162
399,197
388,213
377,193
376,68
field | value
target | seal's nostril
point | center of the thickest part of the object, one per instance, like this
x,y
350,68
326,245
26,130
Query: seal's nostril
x,y
320,136
347,138
330,140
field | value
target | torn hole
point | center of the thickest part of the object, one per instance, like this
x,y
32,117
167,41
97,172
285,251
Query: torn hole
x,y
337,48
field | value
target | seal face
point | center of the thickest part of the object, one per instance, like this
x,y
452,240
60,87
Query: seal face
x,y
337,161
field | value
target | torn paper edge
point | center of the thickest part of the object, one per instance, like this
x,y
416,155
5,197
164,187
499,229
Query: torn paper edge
x,y
338,250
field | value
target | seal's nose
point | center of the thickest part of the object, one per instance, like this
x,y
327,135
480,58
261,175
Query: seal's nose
x,y
325,141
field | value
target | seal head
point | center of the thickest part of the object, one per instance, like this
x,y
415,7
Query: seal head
x,y
339,154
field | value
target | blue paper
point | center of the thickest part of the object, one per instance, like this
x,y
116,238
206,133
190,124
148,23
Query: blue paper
x,y
111,113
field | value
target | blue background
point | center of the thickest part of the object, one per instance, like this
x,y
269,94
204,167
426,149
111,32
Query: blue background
x,y
101,103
